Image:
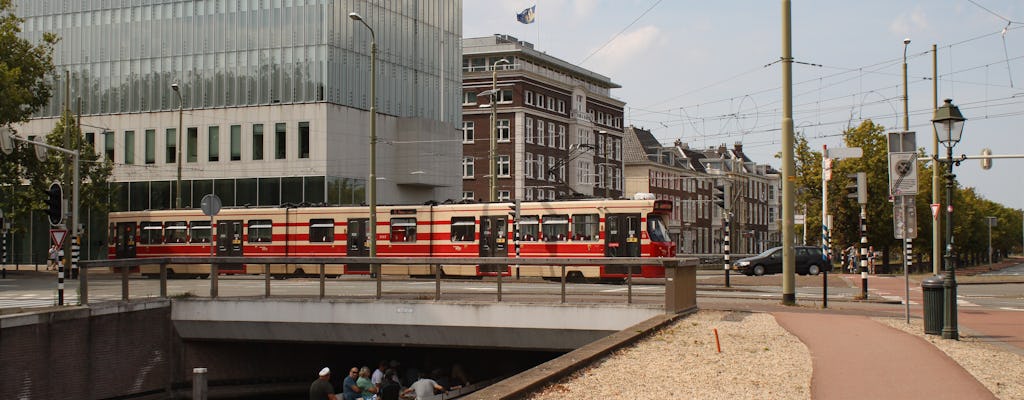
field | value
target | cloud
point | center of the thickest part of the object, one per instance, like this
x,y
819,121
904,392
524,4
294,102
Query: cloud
x,y
625,51
907,23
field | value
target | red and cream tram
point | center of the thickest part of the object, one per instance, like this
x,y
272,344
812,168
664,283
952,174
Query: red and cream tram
x,y
548,229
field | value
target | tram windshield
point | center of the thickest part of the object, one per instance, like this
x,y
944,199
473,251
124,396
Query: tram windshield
x,y
656,228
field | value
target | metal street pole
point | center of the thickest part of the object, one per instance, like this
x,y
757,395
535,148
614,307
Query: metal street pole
x,y
493,149
181,106
372,184
788,164
936,222
991,221
949,329
907,243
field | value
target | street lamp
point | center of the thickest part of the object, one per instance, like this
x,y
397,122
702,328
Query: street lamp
x,y
949,125
372,182
181,105
493,152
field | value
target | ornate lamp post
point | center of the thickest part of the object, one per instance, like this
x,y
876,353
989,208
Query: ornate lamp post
x,y
949,125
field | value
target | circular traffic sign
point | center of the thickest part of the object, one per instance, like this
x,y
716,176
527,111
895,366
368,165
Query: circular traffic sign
x,y
210,205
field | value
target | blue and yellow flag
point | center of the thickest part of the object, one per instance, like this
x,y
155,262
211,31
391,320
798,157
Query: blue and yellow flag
x,y
527,15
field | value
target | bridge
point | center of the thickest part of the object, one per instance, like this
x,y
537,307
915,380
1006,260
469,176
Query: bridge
x,y
149,344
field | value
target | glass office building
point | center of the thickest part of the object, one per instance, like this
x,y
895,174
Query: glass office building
x,y
273,96
238,63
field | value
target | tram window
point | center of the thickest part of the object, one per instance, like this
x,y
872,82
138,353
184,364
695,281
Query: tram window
x,y
528,228
403,230
585,226
656,228
176,232
152,233
555,228
260,231
321,230
200,232
463,229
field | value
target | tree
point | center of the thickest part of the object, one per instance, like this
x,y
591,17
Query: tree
x,y
24,68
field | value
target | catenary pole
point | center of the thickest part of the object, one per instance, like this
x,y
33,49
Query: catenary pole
x,y
788,165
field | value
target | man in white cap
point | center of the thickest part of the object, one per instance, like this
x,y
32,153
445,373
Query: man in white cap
x,y
321,388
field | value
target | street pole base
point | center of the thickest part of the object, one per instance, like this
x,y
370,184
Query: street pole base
x,y
950,334
789,299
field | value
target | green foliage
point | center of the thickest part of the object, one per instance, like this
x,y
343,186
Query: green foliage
x,y
24,68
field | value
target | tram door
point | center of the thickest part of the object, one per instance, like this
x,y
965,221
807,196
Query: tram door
x,y
622,239
124,240
358,244
229,244
493,242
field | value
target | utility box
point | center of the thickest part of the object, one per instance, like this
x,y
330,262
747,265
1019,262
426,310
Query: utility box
x,y
932,289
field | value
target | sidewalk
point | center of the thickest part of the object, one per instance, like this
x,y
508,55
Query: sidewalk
x,y
855,357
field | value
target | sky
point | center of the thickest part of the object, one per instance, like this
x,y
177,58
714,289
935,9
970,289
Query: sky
x,y
707,72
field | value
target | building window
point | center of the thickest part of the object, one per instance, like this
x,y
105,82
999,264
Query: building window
x,y
467,195
257,141
150,146
551,103
528,97
504,195
467,167
304,139
468,97
551,135
504,166
529,165
129,147
280,141
236,142
561,106
468,135
172,149
214,143
529,130
321,230
192,145
108,145
503,129
561,137
540,132
505,96
540,100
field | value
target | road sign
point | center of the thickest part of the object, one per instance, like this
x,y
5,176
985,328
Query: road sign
x,y
57,236
935,211
210,205
902,173
839,153
904,217
798,219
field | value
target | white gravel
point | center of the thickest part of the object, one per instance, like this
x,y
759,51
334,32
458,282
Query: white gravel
x,y
1000,370
759,360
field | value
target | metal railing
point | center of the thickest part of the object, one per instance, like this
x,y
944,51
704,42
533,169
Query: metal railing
x,y
123,267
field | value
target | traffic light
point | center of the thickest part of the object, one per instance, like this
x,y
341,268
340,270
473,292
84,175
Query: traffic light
x,y
718,195
858,187
513,211
54,202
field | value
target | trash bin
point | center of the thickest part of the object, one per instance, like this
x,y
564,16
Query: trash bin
x,y
933,292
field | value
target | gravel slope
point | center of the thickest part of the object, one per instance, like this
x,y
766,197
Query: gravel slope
x,y
759,360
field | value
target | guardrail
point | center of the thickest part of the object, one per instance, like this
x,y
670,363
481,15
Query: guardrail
x,y
680,273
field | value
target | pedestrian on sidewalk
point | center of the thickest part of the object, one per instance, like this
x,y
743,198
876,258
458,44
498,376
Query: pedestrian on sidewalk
x,y
51,259
851,255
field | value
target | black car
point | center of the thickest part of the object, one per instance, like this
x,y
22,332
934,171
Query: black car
x,y
809,260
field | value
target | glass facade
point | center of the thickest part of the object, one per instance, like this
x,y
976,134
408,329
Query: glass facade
x,y
123,55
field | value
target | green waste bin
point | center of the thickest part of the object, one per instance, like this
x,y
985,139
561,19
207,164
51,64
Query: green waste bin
x,y
933,292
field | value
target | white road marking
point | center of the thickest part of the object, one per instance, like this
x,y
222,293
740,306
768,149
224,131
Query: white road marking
x,y
1011,309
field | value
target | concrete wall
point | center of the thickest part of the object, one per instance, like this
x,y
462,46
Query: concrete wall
x,y
104,351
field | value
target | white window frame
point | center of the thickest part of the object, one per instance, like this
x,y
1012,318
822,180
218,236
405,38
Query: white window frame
x,y
529,165
503,130
561,106
468,167
504,195
528,97
551,135
504,96
468,97
504,166
468,132
561,137
529,130
467,195
540,132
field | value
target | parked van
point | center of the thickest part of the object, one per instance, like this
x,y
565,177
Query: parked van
x,y
809,260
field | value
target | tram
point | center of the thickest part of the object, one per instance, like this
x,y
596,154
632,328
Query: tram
x,y
547,229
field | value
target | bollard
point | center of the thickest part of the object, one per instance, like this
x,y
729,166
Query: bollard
x,y
198,383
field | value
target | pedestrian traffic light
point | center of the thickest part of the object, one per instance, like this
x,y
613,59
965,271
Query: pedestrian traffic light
x,y
857,188
718,195
54,202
